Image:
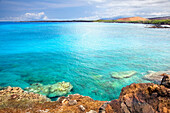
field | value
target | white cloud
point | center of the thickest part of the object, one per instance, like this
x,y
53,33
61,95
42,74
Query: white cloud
x,y
29,16
34,16
91,9
144,8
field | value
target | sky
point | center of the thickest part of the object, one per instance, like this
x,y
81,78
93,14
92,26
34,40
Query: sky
x,y
81,9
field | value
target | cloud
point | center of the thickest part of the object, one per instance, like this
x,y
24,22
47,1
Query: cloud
x,y
89,9
29,16
144,8
34,16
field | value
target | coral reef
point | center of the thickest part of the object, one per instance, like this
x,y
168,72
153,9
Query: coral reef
x,y
96,77
57,89
124,74
135,98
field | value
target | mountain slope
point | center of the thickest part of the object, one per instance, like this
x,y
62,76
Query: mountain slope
x,y
132,19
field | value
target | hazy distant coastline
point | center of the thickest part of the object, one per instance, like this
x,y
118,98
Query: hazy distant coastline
x,y
157,22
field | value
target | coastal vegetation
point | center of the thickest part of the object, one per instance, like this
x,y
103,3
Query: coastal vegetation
x,y
158,22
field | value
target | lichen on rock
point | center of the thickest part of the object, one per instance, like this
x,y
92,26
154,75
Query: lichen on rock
x,y
57,89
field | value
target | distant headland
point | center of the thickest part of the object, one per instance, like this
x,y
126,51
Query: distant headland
x,y
159,22
133,19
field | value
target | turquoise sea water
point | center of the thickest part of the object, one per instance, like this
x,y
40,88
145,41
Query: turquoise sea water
x,y
83,54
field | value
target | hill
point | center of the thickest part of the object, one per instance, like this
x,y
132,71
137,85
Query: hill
x,y
132,19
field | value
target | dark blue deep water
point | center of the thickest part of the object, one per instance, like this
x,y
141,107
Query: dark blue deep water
x,y
83,54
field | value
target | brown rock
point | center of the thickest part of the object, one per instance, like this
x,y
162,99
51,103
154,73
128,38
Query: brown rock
x,y
142,98
109,109
72,102
116,107
102,109
165,110
9,95
166,80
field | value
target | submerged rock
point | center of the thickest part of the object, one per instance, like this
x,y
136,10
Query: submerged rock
x,y
57,89
155,76
124,74
96,77
159,26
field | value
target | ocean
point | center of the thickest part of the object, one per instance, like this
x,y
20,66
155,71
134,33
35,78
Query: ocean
x,y
84,54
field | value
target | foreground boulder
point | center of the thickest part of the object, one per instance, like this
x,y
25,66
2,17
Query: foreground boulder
x,y
57,89
143,98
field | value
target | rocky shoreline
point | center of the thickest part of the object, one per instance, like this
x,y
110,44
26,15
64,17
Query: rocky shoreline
x,y
135,98
159,26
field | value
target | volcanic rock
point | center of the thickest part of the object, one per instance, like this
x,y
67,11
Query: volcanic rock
x,y
12,96
142,98
166,80
155,76
72,102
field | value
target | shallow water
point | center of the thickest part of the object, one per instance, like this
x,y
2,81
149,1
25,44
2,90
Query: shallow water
x,y
84,54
